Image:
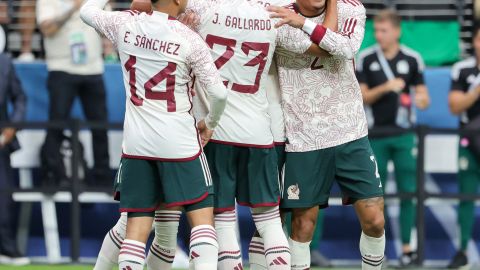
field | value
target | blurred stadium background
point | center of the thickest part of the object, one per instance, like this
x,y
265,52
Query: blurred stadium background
x,y
68,226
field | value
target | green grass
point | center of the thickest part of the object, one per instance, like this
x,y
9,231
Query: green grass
x,y
70,267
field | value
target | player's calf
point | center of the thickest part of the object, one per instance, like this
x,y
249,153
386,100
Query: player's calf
x,y
108,255
229,256
256,253
372,240
303,226
132,251
163,248
203,238
276,248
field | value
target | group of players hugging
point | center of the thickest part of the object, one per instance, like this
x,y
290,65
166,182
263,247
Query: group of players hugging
x,y
238,102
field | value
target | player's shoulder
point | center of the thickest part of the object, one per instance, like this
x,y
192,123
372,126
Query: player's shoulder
x,y
469,63
351,8
191,38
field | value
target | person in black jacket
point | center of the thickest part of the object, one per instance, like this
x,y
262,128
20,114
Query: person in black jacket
x,y
10,91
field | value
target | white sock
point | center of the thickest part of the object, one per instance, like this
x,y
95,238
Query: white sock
x,y
132,255
256,254
108,255
203,248
300,254
229,255
269,226
163,248
372,250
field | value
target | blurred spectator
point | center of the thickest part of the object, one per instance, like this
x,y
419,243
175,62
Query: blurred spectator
x,y
388,72
27,24
464,101
74,61
10,91
4,20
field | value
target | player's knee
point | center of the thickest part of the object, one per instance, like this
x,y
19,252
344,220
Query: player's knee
x,y
374,226
303,228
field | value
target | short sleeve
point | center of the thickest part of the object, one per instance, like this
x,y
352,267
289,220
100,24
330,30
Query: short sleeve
x,y
458,82
418,78
293,39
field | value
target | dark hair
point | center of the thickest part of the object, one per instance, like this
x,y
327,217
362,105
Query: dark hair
x,y
154,1
389,15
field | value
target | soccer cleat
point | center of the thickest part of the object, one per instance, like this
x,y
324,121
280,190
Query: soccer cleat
x,y
409,259
460,259
15,259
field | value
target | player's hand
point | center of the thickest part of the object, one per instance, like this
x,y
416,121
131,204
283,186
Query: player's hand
x,y
286,16
205,133
395,85
190,19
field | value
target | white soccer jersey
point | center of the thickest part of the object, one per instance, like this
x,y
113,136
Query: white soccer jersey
x,y
321,97
158,54
243,39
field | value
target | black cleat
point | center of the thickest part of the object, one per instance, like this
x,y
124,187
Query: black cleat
x,y
460,259
409,260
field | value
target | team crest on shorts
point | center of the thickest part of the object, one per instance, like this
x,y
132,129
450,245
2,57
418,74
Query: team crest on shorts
x,y
293,192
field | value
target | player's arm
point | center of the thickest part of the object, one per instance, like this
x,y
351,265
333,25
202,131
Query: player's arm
x,y
194,11
344,44
274,97
49,21
459,99
105,22
203,68
290,38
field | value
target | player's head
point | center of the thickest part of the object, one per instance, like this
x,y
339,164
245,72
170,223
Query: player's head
x,y
387,28
312,6
172,7
476,40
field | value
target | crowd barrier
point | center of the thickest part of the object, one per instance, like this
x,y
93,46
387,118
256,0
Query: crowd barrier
x,y
33,77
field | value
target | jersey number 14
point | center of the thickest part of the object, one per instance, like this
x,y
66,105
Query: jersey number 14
x,y
165,74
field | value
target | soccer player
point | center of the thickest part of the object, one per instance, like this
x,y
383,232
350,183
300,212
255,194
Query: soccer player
x,y
464,100
162,158
241,154
327,130
388,72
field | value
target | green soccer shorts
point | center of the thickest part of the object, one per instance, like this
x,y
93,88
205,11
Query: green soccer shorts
x,y
309,176
247,174
142,185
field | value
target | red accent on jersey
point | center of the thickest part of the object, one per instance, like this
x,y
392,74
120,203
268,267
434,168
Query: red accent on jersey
x,y
227,42
168,74
349,27
130,67
260,60
318,34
